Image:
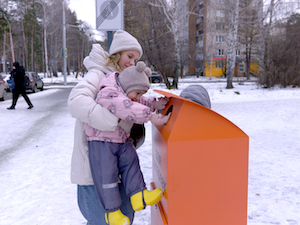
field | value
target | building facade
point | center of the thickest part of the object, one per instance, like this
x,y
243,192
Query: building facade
x,y
208,33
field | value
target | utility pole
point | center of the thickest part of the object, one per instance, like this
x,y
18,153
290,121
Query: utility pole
x,y
109,39
64,50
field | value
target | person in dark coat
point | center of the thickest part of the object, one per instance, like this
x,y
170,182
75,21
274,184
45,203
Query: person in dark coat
x,y
18,74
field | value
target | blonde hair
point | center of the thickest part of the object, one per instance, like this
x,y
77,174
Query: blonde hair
x,y
113,60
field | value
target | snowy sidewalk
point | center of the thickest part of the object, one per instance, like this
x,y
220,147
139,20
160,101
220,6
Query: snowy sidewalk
x,y
35,185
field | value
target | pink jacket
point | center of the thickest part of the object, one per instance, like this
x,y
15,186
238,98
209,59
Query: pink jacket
x,y
112,97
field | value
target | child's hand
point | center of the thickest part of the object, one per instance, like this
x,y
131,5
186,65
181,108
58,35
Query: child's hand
x,y
159,119
161,103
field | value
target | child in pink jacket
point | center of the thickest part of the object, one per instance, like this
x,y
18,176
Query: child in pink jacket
x,y
112,153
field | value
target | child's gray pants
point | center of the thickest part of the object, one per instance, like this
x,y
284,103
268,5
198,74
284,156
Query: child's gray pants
x,y
107,161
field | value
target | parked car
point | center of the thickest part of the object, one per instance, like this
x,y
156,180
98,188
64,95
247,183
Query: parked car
x,y
5,78
2,89
156,77
35,82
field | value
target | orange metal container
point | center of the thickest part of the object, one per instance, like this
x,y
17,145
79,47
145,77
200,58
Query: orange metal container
x,y
200,161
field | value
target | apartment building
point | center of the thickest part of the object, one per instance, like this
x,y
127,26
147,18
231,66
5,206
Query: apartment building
x,y
208,33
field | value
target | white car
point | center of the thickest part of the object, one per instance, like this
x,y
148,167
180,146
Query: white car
x,y
2,89
6,78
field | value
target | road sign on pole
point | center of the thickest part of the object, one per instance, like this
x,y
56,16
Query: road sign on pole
x,y
109,15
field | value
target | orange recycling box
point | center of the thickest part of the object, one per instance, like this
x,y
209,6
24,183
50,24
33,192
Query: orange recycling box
x,y
200,161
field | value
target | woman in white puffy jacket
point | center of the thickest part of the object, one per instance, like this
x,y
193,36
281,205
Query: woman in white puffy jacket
x,y
124,52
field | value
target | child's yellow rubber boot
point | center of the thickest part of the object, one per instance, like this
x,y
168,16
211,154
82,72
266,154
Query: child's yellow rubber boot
x,y
143,198
116,218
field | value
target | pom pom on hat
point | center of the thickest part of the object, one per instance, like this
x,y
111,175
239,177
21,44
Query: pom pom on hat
x,y
141,67
123,41
135,78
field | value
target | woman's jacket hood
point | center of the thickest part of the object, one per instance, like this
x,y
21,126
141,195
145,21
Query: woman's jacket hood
x,y
97,60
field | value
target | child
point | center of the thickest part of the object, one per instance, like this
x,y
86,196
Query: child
x,y
198,94
121,93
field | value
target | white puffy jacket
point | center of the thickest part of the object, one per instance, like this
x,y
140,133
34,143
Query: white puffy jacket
x,y
83,107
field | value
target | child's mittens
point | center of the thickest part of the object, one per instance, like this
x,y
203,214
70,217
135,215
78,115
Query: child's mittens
x,y
161,103
159,119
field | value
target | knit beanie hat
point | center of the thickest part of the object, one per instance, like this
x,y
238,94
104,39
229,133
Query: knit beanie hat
x,y
196,93
123,41
135,78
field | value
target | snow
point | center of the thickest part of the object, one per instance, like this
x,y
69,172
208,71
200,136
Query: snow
x,y
36,148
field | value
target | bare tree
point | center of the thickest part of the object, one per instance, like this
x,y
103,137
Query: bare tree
x,y
233,14
5,28
153,35
283,53
175,13
248,31
43,5
37,35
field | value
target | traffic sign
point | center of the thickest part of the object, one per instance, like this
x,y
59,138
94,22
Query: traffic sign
x,y
109,15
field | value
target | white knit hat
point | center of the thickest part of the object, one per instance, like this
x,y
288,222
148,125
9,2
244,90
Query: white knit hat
x,y
123,41
135,78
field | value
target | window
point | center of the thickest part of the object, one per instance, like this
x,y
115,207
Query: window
x,y
220,13
237,52
220,52
219,65
201,9
242,67
220,26
219,39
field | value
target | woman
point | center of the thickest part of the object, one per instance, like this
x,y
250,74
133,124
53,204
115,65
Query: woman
x,y
124,52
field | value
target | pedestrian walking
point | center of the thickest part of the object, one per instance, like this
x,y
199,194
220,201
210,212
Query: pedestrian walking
x,y
18,74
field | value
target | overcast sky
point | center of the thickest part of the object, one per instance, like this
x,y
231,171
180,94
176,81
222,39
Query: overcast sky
x,y
85,10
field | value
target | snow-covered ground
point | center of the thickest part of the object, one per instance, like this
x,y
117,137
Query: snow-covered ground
x,y
34,174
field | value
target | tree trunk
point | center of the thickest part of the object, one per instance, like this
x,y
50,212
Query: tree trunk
x,y
32,48
248,58
177,58
261,49
45,40
232,35
4,53
25,61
